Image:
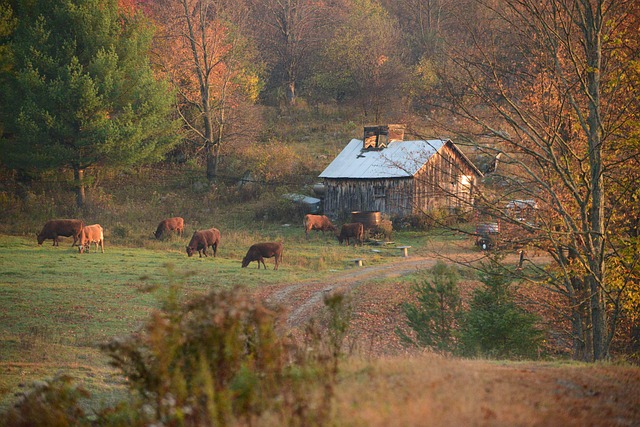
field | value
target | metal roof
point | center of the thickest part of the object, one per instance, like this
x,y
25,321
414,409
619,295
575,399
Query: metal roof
x,y
400,159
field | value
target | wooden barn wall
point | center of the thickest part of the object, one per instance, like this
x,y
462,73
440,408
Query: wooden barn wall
x,y
438,184
392,196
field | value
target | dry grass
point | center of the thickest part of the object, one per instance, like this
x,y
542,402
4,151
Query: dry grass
x,y
431,390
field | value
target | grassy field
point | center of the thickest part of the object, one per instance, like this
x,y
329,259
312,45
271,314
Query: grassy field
x,y
57,306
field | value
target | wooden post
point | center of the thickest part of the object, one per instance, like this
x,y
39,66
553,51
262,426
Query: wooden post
x,y
405,250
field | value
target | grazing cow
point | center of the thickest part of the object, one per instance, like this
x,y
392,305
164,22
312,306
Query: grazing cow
x,y
61,227
354,230
202,239
318,223
91,234
260,251
170,224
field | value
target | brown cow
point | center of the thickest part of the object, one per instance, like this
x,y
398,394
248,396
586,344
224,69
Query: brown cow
x,y
354,230
170,224
260,251
318,223
202,239
61,227
91,234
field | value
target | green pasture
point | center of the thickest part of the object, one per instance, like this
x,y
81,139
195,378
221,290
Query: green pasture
x,y
57,306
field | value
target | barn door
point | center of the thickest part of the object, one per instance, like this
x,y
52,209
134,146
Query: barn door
x,y
380,197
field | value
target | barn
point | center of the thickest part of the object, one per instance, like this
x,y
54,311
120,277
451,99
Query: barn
x,y
383,172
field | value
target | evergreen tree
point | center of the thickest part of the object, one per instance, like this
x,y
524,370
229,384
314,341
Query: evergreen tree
x,y
82,92
494,325
433,317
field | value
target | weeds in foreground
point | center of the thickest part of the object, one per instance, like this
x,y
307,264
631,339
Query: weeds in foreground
x,y
215,360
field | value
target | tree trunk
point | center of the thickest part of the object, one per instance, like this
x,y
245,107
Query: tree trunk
x,y
209,145
213,151
291,93
593,45
212,162
78,182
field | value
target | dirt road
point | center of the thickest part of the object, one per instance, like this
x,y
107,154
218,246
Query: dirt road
x,y
303,299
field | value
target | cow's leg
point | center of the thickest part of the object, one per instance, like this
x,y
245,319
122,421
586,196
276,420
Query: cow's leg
x,y
214,247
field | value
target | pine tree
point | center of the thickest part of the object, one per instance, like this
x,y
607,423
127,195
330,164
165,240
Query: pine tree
x,y
82,91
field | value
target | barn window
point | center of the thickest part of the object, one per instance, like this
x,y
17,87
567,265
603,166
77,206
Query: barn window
x,y
466,181
378,190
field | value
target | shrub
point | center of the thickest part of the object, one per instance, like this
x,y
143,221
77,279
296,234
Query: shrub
x,y
279,209
218,361
206,363
384,230
433,317
494,326
52,403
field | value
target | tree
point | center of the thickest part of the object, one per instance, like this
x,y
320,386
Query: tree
x,y
290,33
204,53
362,60
549,85
433,318
82,90
494,325
7,27
423,24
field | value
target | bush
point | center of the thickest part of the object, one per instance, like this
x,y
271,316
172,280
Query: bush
x,y
494,326
384,230
214,362
53,403
425,221
433,317
279,209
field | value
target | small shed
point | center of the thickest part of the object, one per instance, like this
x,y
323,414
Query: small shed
x,y
383,172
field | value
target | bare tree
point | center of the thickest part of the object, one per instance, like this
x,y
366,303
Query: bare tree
x,y
551,86
202,49
289,32
424,24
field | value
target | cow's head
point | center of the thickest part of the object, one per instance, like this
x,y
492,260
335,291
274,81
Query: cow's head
x,y
40,239
190,250
245,262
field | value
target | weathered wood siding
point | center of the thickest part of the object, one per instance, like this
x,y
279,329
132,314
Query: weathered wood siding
x,y
445,181
390,196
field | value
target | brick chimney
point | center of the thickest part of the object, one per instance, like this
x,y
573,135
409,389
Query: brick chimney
x,y
379,137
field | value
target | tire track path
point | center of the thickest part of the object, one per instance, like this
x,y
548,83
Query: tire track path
x,y
302,300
